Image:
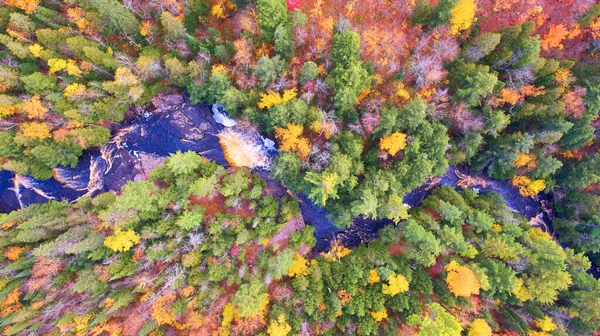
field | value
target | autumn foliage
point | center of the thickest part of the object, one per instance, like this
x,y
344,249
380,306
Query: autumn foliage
x,y
122,241
397,283
35,130
369,103
29,6
34,108
393,143
461,280
177,280
527,187
291,140
271,98
463,15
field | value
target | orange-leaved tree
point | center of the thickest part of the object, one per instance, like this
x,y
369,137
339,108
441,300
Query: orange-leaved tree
x,y
29,6
554,37
528,161
161,312
461,280
34,108
35,130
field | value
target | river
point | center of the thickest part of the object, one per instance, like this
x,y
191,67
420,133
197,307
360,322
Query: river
x,y
144,142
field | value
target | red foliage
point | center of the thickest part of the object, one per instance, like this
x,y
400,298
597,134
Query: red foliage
x,y
293,4
574,102
252,252
235,249
369,121
216,203
386,36
495,15
396,249
434,214
134,318
249,325
436,269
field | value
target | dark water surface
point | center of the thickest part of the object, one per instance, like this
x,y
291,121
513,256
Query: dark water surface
x,y
137,147
146,141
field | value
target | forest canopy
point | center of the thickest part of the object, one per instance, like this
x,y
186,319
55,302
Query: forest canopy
x,y
164,255
366,101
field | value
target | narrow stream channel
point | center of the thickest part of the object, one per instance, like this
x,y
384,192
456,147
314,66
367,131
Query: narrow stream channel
x,y
143,143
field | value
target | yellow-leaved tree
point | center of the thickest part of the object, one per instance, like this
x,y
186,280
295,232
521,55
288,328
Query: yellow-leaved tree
x,y
271,98
525,160
34,108
122,241
461,280
380,315
136,92
59,64
124,77
528,187
545,324
479,328
35,49
397,283
218,10
228,314
288,137
373,277
75,90
538,333
402,91
279,327
218,68
336,252
35,130
7,109
521,292
393,143
291,140
463,15
299,267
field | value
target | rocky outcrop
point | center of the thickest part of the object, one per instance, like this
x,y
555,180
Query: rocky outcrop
x,y
162,102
